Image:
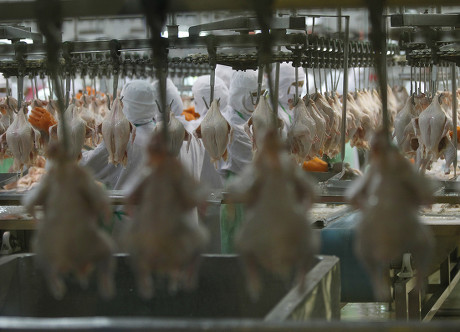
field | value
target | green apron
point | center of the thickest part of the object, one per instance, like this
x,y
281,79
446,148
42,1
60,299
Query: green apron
x,y
231,217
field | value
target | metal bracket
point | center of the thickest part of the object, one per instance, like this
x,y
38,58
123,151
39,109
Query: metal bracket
x,y
246,24
406,267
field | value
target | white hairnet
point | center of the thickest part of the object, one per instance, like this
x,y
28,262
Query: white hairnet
x,y
201,88
225,74
138,102
242,86
172,95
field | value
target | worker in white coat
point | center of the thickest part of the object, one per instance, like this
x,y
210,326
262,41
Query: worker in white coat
x,y
201,90
225,74
173,98
242,95
286,92
243,91
138,107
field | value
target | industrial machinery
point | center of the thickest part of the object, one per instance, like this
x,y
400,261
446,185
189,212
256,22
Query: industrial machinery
x,y
427,48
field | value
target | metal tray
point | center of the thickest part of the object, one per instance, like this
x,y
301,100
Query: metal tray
x,y
6,178
221,293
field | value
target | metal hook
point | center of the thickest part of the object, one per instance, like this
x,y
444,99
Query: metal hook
x,y
205,103
7,86
159,108
260,76
253,102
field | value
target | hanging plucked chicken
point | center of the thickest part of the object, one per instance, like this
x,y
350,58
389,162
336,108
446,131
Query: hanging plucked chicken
x,y
432,128
276,235
215,133
22,141
116,131
163,238
260,122
176,133
389,196
68,239
78,131
301,135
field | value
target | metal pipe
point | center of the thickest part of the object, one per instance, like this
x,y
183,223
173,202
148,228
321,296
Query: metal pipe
x,y
115,85
307,85
277,87
20,79
24,10
7,86
260,76
296,85
454,113
50,87
212,83
345,88
35,86
43,87
32,87
67,91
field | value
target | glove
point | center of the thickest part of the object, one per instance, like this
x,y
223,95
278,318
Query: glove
x,y
451,134
190,114
41,119
315,165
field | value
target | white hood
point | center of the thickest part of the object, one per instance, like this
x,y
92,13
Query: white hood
x,y
138,102
172,95
242,86
201,88
286,89
225,74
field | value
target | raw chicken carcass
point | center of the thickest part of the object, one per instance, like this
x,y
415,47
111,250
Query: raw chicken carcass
x,y
162,237
77,131
215,133
22,141
116,130
68,239
276,235
260,121
302,133
7,108
403,130
432,127
176,134
320,124
389,196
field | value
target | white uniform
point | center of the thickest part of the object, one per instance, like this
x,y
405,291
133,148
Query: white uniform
x,y
138,104
238,112
172,95
286,91
208,176
225,74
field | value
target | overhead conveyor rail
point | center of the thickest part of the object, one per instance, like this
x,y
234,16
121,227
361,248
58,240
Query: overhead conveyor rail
x,y
85,8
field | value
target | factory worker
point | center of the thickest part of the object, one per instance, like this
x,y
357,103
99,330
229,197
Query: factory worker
x,y
286,92
243,89
191,159
202,89
138,107
242,94
225,74
172,96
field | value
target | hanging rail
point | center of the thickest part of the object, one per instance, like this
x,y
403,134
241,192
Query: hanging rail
x,y
25,10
